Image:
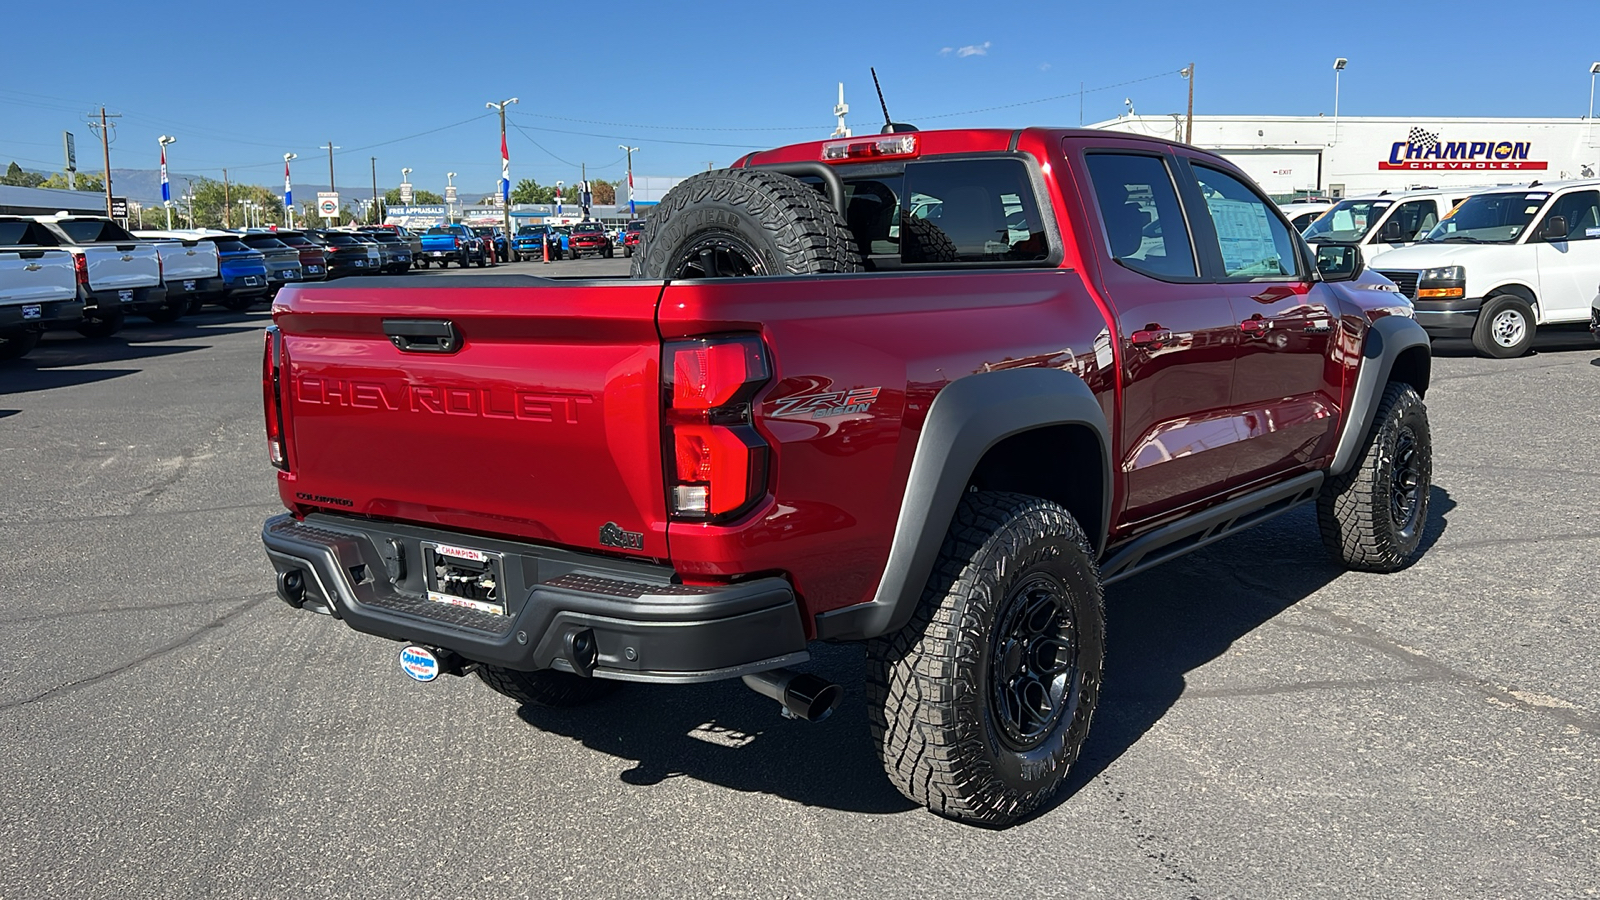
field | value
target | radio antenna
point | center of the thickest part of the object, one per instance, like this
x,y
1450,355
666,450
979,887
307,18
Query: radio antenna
x,y
889,125
887,122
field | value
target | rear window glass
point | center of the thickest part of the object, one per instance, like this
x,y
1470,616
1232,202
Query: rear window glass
x,y
295,240
966,211
229,245
87,231
439,229
264,242
26,234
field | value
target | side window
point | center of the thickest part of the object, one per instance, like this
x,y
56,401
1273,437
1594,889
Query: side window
x,y
1581,209
1416,219
1253,242
969,211
1144,223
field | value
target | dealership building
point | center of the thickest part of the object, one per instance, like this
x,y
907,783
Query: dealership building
x,y
1292,156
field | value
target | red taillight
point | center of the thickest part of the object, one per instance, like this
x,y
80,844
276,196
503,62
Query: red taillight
x,y
717,464
80,265
161,269
881,147
272,397
458,241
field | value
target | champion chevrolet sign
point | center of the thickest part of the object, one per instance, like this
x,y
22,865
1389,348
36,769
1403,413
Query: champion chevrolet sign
x,y
1424,151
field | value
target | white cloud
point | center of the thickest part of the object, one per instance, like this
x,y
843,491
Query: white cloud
x,y
946,51
1044,67
974,50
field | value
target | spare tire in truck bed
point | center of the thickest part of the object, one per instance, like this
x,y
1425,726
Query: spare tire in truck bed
x,y
733,222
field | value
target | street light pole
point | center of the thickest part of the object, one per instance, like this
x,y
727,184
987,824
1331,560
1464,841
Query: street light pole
x,y
1188,127
1338,66
331,188
166,192
288,192
505,169
1594,69
630,152
449,191
374,189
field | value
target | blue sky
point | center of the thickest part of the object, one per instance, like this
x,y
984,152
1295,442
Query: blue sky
x,y
695,83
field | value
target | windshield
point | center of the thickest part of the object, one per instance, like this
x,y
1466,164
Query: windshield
x,y
636,226
87,231
1348,222
440,229
1488,219
589,228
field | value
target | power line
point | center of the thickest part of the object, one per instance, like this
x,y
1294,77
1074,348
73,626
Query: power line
x,y
619,137
1045,99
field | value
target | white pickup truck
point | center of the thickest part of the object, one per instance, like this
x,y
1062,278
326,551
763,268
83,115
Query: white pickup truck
x,y
37,287
1503,263
190,270
117,272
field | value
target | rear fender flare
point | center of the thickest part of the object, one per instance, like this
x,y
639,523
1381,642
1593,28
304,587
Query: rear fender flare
x,y
967,418
1387,340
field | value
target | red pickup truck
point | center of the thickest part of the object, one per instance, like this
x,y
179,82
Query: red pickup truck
x,y
967,379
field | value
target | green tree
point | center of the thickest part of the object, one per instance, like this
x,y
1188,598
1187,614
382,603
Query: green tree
x,y
529,191
391,197
82,182
17,178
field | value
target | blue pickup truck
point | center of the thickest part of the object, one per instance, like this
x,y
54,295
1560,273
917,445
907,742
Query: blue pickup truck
x,y
446,244
530,241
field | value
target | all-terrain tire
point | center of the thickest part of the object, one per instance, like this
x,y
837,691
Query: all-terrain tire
x,y
17,344
1505,327
101,327
547,687
949,694
239,304
732,222
926,242
1372,516
169,311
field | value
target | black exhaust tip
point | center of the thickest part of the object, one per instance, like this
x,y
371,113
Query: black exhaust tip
x,y
582,651
801,695
292,587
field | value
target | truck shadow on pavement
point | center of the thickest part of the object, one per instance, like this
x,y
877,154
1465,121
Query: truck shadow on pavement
x,y
1178,617
1550,339
724,734
53,363
1161,625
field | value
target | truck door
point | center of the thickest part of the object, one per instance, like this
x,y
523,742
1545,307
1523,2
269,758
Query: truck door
x,y
1569,270
1177,337
1286,389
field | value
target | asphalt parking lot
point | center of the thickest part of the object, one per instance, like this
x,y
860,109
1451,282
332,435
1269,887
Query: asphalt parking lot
x,y
1271,726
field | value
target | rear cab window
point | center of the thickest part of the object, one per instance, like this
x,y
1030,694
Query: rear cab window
x,y
1143,221
89,231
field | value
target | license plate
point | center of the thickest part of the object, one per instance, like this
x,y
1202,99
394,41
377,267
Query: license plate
x,y
125,296
251,280
188,284
462,576
313,270
360,262
33,311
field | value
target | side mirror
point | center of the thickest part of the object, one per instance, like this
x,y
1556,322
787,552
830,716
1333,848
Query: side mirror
x,y
1393,232
1554,229
1339,262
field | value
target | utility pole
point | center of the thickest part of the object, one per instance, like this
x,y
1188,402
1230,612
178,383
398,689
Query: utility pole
x,y
331,188
1188,126
374,190
505,169
227,202
630,150
583,190
105,148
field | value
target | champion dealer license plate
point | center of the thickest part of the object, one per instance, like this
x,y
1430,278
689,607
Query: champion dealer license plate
x,y
462,576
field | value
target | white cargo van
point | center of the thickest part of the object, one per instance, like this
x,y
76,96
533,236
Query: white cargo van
x,y
1385,221
1505,262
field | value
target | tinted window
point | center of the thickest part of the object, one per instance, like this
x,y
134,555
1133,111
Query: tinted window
x,y
28,234
588,229
229,245
1416,219
438,229
1581,209
87,231
295,240
263,242
1144,223
339,240
1253,241
980,210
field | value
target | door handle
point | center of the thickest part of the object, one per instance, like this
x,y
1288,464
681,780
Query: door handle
x,y
1255,326
1152,337
422,335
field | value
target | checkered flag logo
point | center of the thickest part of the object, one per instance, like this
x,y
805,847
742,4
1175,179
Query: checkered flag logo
x,y
1424,139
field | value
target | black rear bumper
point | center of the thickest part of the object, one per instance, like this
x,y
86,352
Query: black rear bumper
x,y
645,627
127,300
36,316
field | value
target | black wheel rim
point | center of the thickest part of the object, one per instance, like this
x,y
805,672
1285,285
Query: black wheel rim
x,y
1033,671
717,254
1405,482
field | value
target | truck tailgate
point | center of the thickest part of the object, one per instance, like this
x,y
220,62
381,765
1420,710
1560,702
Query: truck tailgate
x,y
120,266
543,423
190,259
36,276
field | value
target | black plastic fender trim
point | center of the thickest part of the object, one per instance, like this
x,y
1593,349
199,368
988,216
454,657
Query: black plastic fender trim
x,y
1386,340
967,418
